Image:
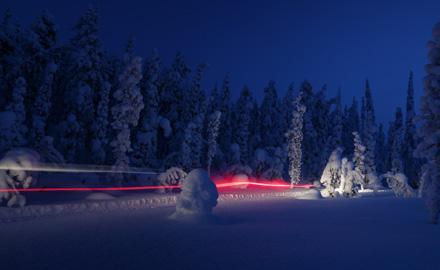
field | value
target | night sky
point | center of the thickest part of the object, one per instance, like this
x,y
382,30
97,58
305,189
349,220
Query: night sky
x,y
340,43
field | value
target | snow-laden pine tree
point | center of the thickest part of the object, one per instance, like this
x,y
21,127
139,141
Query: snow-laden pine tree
x,y
70,130
42,106
100,134
294,138
369,138
359,157
311,168
322,121
270,117
381,152
18,135
396,147
126,109
429,132
192,145
85,75
331,176
195,96
351,124
242,119
172,84
224,106
411,164
335,132
146,138
213,131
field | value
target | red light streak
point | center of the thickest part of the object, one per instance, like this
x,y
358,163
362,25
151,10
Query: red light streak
x,y
219,185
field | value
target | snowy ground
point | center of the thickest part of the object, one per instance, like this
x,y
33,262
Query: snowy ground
x,y
367,233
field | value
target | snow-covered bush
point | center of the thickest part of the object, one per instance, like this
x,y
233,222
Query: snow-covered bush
x,y
398,182
331,177
172,177
198,196
13,175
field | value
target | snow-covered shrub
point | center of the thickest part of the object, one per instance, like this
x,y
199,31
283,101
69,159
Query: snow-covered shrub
x,y
13,175
198,196
398,182
172,177
331,176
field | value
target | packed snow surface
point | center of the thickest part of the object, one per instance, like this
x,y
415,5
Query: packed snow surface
x,y
378,232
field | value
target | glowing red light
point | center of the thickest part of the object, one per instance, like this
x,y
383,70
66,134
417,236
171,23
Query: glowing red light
x,y
219,185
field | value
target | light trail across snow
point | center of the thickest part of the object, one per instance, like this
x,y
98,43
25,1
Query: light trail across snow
x,y
76,169
131,188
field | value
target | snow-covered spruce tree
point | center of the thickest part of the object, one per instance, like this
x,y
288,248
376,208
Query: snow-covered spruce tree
x,y
381,152
286,108
194,98
242,122
350,125
213,131
100,134
172,85
369,138
86,77
224,106
331,176
335,137
13,129
146,139
322,121
429,132
68,138
270,117
411,164
294,138
40,54
192,145
396,147
311,153
359,157
351,179
126,110
42,106
362,117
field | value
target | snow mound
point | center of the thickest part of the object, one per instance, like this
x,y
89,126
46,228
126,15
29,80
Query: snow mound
x,y
240,178
198,196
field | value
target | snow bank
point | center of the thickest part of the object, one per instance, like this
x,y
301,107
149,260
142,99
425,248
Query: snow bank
x,y
198,196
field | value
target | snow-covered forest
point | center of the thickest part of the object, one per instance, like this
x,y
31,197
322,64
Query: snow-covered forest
x,y
73,102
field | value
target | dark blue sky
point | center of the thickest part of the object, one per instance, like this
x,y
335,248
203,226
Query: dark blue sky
x,y
340,43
